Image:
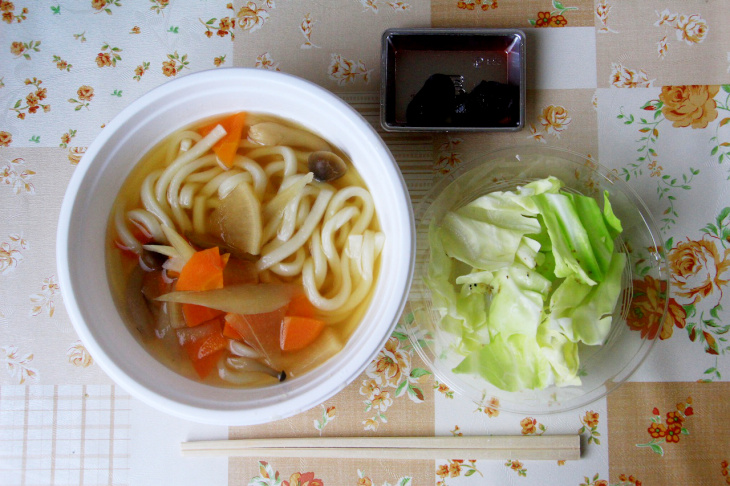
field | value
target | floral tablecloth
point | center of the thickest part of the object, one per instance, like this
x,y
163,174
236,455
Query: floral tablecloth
x,y
643,87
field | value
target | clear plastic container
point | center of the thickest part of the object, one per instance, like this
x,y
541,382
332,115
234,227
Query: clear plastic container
x,y
602,368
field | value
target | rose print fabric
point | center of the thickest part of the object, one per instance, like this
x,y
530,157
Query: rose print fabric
x,y
650,99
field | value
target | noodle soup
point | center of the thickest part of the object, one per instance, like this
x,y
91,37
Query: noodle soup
x,y
242,251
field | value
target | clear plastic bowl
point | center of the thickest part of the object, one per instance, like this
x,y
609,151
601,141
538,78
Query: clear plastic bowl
x,y
602,368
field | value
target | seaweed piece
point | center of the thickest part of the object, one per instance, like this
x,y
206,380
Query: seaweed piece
x,y
433,105
492,104
443,102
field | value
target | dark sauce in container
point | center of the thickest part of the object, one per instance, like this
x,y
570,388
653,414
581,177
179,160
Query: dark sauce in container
x,y
453,79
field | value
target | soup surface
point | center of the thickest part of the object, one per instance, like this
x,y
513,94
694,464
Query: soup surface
x,y
242,251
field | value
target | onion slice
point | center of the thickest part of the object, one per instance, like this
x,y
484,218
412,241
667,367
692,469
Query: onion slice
x,y
238,299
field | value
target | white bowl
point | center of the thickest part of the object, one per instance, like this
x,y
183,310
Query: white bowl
x,y
81,243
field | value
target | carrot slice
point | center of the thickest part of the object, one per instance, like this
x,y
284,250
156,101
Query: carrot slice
x,y
239,271
213,343
204,366
299,332
226,147
203,271
301,306
198,314
225,122
204,345
230,332
260,331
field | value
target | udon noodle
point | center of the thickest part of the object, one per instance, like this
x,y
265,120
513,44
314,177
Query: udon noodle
x,y
264,208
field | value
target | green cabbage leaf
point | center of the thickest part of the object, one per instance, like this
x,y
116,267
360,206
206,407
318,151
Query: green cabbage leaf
x,y
523,278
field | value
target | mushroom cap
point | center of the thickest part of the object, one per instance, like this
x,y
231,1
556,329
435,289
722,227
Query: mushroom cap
x,y
326,166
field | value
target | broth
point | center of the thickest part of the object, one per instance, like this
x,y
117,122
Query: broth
x,y
252,216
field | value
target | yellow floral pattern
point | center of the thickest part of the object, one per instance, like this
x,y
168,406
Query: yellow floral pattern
x,y
364,480
692,29
669,429
373,6
345,71
6,138
159,6
61,64
530,426
392,369
590,424
78,355
443,389
109,56
9,14
252,17
43,301
454,468
24,49
221,27
84,94
483,5
140,70
265,61
18,365
306,28
489,407
174,64
15,176
693,106
626,77
105,5
328,415
699,269
552,121
517,467
33,102
449,156
74,154
594,481
603,10
552,18
10,253
628,480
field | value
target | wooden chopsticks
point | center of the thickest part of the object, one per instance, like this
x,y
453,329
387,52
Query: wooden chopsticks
x,y
544,447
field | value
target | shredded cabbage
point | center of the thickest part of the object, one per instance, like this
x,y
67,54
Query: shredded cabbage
x,y
522,277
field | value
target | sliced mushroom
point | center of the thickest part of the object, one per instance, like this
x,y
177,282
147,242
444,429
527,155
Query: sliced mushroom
x,y
243,350
326,166
251,365
151,260
270,133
